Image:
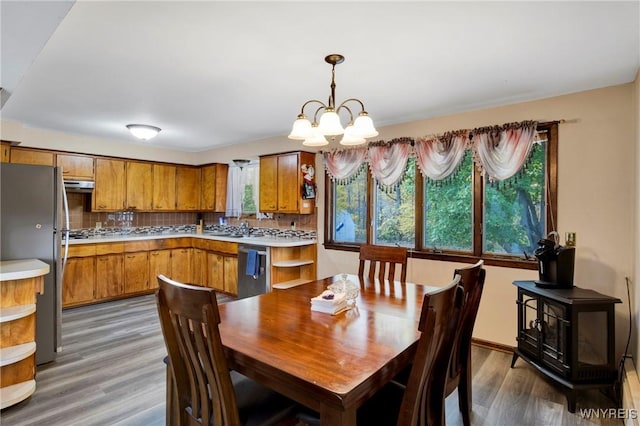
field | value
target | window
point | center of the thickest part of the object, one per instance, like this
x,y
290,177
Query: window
x,y
394,221
462,218
350,209
242,190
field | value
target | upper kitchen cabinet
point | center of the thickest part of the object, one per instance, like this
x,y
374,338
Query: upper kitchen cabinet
x,y
75,167
187,188
139,186
32,156
109,191
287,183
214,187
164,187
6,152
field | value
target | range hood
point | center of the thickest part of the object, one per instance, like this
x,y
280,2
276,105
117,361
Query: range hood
x,y
85,186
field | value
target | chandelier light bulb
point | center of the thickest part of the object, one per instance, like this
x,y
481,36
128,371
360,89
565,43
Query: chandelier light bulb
x,y
301,128
316,138
363,126
350,138
330,123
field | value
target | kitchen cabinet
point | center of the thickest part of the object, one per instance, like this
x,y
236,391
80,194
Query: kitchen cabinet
x,y
187,188
75,167
281,180
136,272
181,265
231,275
215,271
139,186
79,281
5,155
32,156
110,276
164,187
109,191
214,187
199,276
159,264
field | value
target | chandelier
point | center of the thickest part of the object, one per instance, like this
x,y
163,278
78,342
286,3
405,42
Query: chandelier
x,y
316,133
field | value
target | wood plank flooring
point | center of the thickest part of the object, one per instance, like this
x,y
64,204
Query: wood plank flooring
x,y
111,373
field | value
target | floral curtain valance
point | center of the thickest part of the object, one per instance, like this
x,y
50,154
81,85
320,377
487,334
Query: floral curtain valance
x,y
499,151
439,156
388,161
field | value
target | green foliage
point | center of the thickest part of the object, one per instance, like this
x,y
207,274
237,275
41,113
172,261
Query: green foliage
x,y
248,203
395,211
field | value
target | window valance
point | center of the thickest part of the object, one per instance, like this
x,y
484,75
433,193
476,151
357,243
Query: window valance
x,y
498,151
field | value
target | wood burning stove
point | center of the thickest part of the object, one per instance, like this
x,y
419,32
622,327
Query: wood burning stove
x,y
568,335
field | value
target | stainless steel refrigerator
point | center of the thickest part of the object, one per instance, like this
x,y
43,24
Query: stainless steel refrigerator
x,y
33,221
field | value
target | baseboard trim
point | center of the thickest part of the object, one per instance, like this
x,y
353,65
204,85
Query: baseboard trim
x,y
492,345
631,393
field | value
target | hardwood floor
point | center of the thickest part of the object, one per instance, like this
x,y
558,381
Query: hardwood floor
x,y
111,373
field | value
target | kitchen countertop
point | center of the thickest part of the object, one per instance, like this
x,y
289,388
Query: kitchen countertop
x,y
262,241
21,269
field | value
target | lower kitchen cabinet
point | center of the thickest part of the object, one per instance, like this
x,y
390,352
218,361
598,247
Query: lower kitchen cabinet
x,y
159,264
215,263
79,281
181,265
136,272
109,274
199,275
231,275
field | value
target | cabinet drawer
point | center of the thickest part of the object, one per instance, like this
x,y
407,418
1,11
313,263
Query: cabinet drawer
x,y
218,246
109,248
82,250
131,246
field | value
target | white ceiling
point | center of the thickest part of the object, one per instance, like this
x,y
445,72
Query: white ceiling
x,y
212,74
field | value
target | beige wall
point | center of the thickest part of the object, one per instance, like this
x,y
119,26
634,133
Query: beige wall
x,y
596,200
598,159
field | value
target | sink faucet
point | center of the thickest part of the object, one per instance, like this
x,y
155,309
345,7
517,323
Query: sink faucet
x,y
244,228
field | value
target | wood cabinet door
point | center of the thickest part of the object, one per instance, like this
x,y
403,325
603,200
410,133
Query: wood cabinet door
x,y
208,187
109,275
187,188
79,282
215,271
288,190
159,263
108,194
269,183
199,267
164,187
32,156
181,265
75,166
231,275
139,186
214,187
136,272
6,152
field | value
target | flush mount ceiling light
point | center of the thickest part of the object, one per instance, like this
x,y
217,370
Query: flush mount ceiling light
x,y
143,131
316,133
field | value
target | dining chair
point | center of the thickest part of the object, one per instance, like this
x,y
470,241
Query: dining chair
x,y
421,401
203,390
460,374
385,258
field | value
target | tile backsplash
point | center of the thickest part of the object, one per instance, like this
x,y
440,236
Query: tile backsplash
x,y
81,218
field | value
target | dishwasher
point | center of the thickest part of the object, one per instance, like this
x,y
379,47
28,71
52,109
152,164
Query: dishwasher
x,y
254,282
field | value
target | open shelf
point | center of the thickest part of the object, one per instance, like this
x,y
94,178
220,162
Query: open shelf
x,y
288,284
292,263
10,395
16,353
16,312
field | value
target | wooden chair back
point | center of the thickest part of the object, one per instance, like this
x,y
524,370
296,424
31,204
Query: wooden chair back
x,y
472,281
385,259
189,319
423,401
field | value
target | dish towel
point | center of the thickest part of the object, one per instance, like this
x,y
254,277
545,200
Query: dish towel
x,y
253,263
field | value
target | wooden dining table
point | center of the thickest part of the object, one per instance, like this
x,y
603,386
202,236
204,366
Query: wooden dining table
x,y
329,363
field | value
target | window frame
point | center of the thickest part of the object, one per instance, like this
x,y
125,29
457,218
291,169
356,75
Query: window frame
x,y
420,252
